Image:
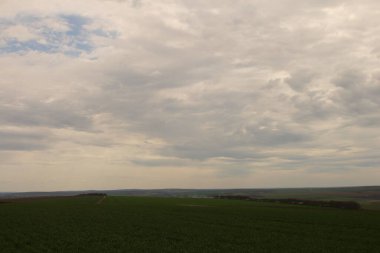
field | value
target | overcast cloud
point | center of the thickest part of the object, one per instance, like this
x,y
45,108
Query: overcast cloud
x,y
191,94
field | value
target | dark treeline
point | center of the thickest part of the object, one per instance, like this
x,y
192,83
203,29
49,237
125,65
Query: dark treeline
x,y
91,194
322,203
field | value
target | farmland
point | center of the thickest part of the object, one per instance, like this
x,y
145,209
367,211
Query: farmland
x,y
146,224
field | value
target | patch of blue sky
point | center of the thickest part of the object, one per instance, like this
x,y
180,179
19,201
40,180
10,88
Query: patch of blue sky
x,y
76,24
72,42
15,46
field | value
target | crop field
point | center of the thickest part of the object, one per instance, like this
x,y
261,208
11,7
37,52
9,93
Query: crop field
x,y
144,224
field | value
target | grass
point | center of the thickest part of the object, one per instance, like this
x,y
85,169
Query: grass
x,y
142,224
371,205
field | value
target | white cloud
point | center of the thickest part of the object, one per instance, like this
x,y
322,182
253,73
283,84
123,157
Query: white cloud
x,y
20,33
163,93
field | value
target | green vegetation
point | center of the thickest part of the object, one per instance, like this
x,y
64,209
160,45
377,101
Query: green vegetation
x,y
142,224
371,205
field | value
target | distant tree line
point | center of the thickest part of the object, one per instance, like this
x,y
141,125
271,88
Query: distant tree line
x,y
352,205
91,194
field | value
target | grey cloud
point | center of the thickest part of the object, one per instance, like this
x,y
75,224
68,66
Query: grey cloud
x,y
23,140
218,123
244,83
353,98
315,105
339,164
300,79
160,162
276,137
203,150
54,114
350,80
357,94
368,121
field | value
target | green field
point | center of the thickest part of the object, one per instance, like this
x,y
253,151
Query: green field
x,y
142,224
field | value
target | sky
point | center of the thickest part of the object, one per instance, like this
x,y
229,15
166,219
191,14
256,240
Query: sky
x,y
110,94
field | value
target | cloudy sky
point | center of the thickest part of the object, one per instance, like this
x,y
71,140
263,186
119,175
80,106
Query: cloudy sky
x,y
104,94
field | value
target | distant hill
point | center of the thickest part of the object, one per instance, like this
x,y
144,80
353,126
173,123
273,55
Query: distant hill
x,y
357,193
